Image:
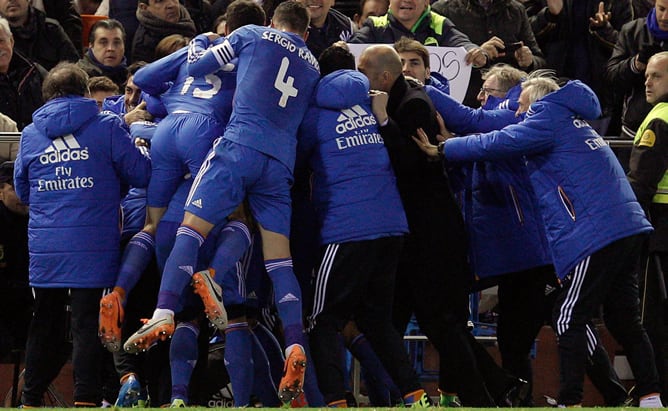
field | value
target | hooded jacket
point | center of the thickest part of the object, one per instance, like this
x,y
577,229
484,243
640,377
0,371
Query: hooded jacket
x,y
355,192
584,197
506,232
71,163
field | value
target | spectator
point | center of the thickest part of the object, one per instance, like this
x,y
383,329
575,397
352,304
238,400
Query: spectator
x,y
16,299
38,37
638,40
157,20
65,12
73,261
20,80
647,174
201,13
106,52
100,88
577,39
594,225
417,22
370,8
124,11
495,24
327,25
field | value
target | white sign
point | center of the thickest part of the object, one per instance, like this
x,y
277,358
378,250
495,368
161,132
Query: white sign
x,y
448,61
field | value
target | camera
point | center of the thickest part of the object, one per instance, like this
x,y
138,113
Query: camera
x,y
512,47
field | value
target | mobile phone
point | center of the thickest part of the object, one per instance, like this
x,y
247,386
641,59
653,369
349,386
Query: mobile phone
x,y
512,47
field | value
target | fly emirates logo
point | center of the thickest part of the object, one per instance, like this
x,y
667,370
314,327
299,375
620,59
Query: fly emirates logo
x,y
64,150
354,123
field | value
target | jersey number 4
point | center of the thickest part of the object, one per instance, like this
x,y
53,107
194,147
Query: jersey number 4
x,y
283,83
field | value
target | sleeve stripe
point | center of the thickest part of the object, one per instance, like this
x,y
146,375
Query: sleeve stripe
x,y
223,52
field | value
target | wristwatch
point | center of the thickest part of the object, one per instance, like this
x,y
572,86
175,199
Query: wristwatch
x,y
439,148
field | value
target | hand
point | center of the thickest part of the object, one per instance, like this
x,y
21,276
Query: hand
x,y
212,36
444,133
555,6
601,18
477,57
140,142
379,105
524,57
138,113
424,144
492,47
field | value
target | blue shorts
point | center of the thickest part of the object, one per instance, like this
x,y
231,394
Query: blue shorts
x,y
178,147
232,172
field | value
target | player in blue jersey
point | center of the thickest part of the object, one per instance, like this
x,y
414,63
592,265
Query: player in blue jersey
x,y
254,158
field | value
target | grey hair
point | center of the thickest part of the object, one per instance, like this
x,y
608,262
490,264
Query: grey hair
x,y
4,24
539,84
507,76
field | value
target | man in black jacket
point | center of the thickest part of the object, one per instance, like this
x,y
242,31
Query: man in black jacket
x,y
38,37
157,20
20,81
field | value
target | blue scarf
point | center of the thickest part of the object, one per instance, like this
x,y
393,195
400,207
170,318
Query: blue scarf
x,y
653,26
107,69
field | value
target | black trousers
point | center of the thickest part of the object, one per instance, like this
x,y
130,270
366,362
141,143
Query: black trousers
x,y
433,283
607,278
48,347
525,305
356,281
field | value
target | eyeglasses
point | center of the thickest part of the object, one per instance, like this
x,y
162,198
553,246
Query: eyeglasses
x,y
487,90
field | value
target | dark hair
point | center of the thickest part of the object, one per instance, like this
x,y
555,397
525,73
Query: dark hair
x,y
63,80
108,24
134,67
242,12
102,83
7,172
292,15
406,45
335,58
217,21
170,44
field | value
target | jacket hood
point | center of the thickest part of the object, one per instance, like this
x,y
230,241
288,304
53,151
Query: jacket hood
x,y
342,89
578,98
64,115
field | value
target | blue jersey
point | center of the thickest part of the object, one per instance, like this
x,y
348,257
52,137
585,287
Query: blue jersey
x,y
276,76
168,78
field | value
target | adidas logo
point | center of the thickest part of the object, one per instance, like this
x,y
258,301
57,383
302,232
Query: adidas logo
x,y
65,148
288,298
197,203
251,296
353,118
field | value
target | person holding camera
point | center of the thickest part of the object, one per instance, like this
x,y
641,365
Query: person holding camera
x,y
638,40
503,30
